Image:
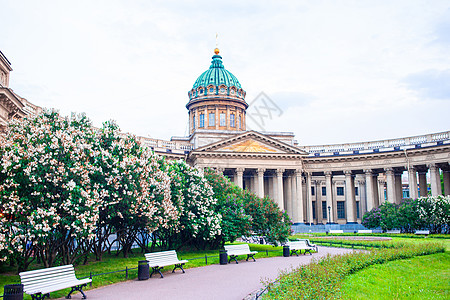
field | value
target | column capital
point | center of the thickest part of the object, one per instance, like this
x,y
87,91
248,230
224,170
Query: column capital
x,y
220,170
240,170
368,172
389,171
412,169
279,172
298,172
348,172
260,170
328,173
432,166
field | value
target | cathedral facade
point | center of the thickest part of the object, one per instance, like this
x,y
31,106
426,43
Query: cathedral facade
x,y
316,185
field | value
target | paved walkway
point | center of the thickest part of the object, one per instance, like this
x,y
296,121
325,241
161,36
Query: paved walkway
x,y
232,281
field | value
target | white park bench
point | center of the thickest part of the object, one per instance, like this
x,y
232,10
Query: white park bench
x,y
424,232
336,231
394,231
295,246
364,231
39,283
158,260
233,251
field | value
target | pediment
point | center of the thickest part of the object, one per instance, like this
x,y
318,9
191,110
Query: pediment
x,y
251,142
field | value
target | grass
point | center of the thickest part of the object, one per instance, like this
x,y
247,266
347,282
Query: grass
x,y
424,277
323,278
113,263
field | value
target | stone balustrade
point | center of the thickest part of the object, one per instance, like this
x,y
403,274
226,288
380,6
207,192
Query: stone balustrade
x,y
399,144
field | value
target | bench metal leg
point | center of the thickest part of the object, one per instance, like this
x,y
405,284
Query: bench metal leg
x,y
233,257
250,255
157,269
178,266
309,251
295,251
40,296
77,288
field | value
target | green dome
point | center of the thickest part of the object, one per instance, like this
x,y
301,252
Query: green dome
x,y
217,75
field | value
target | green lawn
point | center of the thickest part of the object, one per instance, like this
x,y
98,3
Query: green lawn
x,y
113,263
423,277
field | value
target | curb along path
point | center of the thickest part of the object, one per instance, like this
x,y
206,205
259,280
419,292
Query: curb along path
x,y
232,281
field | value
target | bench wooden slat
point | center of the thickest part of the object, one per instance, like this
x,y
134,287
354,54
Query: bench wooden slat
x,y
44,281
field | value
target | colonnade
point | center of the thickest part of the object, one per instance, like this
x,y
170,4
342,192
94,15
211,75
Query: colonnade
x,y
338,196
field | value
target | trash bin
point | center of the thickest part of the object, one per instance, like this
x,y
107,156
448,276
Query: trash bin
x,y
143,270
13,292
286,251
223,257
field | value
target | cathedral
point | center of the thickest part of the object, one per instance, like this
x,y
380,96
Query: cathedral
x,y
318,186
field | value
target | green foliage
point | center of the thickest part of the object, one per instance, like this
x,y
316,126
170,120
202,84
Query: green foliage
x,y
242,211
268,219
323,278
235,221
430,212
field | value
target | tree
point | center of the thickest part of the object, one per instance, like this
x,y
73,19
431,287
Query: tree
x,y
198,223
267,218
230,204
135,190
48,203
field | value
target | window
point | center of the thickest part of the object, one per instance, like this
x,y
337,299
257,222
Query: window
x,y
356,191
314,209
223,121
212,119
340,210
202,121
324,210
312,191
232,92
340,191
232,120
211,90
324,191
357,210
222,90
193,121
201,91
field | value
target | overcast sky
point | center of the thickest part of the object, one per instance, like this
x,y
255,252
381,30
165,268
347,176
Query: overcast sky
x,y
340,71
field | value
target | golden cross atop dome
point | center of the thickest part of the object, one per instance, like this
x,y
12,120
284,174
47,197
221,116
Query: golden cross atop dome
x,y
216,51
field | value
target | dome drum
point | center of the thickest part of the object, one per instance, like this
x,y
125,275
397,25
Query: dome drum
x,y
217,100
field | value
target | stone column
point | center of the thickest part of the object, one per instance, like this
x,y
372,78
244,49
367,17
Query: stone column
x,y
423,187
298,200
217,117
412,182
280,197
446,178
390,180
240,177
350,196
309,212
381,197
362,197
398,187
434,182
376,197
329,189
288,196
369,190
227,118
260,175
